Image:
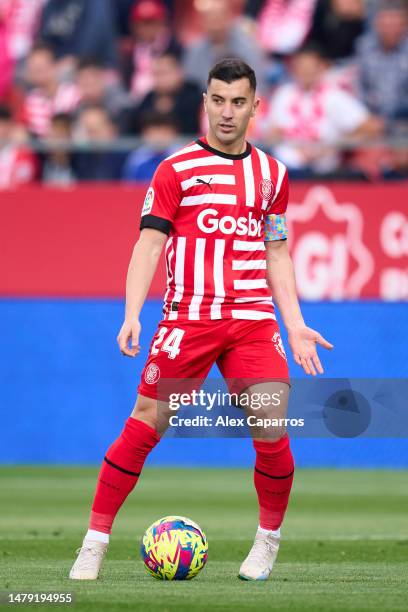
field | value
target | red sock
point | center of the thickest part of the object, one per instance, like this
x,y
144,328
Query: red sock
x,y
273,477
120,472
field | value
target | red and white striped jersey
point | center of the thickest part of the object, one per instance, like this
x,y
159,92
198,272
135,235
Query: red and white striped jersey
x,y
39,108
213,206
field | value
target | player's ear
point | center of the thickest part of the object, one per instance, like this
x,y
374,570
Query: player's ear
x,y
205,102
255,107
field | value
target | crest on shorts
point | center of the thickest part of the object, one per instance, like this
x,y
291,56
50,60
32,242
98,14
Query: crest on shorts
x,y
278,344
265,188
148,202
152,374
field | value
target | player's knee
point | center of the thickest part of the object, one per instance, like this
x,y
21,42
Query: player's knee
x,y
275,432
152,412
269,397
267,431
145,410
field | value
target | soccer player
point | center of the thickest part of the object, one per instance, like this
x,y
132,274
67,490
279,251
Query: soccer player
x,y
219,206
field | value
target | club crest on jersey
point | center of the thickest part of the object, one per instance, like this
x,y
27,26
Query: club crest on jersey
x,y
265,188
152,374
148,202
278,344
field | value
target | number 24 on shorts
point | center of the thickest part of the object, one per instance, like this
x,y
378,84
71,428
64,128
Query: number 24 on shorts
x,y
171,344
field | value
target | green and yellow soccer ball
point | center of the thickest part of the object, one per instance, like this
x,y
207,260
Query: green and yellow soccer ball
x,y
174,548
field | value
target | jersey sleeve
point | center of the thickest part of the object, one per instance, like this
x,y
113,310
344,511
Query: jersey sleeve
x,y
162,200
275,227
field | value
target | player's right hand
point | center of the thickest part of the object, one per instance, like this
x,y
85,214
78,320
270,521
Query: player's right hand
x,y
128,338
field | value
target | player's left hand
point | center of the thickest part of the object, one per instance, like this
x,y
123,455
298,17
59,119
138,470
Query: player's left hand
x,y
303,341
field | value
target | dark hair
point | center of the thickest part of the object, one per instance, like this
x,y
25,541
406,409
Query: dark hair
x,y
63,119
5,113
172,55
42,47
232,69
90,62
392,5
156,119
312,47
99,108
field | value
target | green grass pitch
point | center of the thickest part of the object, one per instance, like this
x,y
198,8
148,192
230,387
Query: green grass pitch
x,y
345,544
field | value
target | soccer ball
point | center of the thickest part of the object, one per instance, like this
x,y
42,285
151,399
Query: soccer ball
x,y
174,548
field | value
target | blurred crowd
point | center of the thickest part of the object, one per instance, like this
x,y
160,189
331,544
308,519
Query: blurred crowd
x,y
80,80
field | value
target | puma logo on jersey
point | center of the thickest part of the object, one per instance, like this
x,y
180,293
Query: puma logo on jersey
x,y
205,182
209,222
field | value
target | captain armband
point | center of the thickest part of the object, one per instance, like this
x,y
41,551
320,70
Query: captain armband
x,y
275,228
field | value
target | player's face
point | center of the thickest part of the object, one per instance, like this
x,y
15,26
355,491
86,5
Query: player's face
x,y
229,107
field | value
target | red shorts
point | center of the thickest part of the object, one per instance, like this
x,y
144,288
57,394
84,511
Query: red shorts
x,y
182,353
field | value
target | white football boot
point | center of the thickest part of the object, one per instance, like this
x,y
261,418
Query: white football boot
x,y
259,562
89,560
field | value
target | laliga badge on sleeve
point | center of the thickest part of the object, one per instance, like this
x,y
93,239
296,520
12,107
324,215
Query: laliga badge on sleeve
x,y
148,202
